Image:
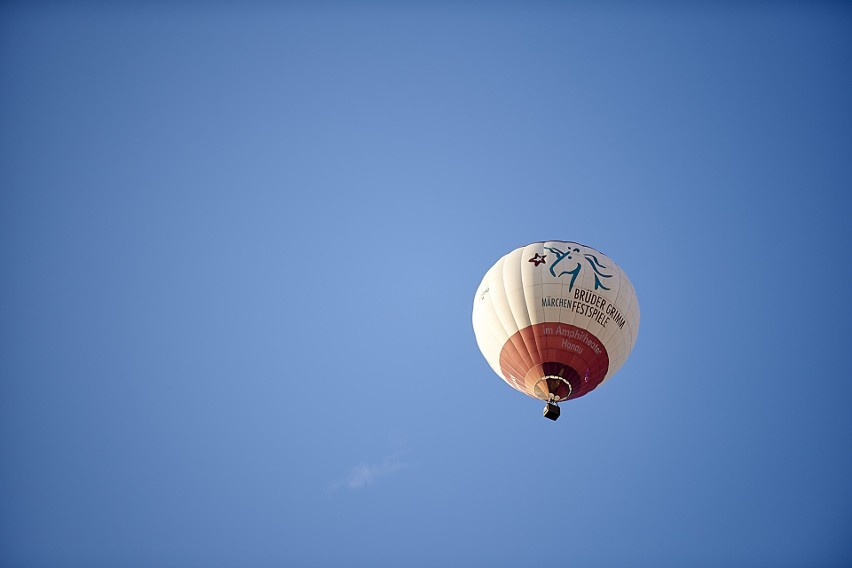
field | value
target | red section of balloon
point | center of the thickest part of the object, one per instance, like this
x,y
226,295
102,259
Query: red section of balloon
x,y
550,348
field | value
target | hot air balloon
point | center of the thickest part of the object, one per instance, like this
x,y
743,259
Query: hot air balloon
x,y
555,320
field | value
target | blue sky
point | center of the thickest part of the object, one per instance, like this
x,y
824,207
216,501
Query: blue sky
x,y
240,245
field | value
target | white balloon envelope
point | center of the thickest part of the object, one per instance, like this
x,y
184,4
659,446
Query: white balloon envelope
x,y
555,319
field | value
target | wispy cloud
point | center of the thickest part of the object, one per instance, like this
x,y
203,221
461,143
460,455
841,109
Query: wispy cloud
x,y
365,474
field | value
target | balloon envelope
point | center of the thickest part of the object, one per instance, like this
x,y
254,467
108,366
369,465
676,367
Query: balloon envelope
x,y
555,319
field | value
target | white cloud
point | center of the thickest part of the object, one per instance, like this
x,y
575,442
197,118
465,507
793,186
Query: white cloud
x,y
365,474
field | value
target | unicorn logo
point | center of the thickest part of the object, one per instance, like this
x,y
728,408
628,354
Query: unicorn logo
x,y
591,259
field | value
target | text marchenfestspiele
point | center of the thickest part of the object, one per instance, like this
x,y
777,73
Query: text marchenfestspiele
x,y
589,304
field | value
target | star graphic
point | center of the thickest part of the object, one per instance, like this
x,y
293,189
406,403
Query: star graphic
x,y
538,259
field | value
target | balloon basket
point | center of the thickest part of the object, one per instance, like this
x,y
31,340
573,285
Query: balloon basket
x,y
551,411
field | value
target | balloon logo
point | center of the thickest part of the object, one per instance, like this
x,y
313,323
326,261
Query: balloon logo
x,y
555,320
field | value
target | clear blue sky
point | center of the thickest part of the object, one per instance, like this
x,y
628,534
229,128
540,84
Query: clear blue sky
x,y
239,246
